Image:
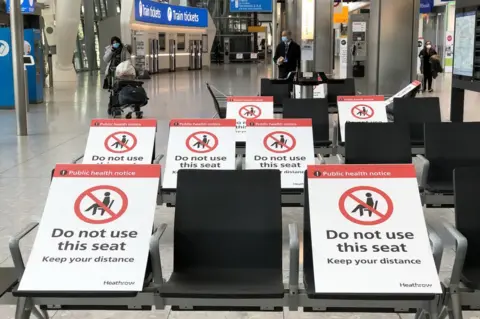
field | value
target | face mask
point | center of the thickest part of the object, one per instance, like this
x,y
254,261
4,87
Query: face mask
x,y
429,46
284,39
115,45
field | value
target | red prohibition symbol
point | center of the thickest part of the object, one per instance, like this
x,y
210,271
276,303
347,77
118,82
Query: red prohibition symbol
x,y
202,142
250,112
362,111
364,210
102,208
120,142
279,142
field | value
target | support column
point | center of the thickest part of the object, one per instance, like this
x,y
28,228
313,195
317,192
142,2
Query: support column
x,y
386,39
323,36
111,8
292,21
89,34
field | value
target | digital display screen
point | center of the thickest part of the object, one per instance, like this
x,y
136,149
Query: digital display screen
x,y
464,47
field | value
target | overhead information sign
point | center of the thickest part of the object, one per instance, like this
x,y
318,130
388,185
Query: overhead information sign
x,y
95,230
199,144
243,108
120,141
360,109
286,145
26,6
368,231
250,6
148,11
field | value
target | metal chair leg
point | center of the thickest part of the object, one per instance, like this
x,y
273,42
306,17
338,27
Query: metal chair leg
x,y
23,310
456,305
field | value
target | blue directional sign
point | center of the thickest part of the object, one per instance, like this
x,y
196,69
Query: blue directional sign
x,y
426,6
161,13
28,6
250,5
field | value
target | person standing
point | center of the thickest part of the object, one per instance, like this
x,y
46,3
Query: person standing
x,y
287,55
115,54
426,67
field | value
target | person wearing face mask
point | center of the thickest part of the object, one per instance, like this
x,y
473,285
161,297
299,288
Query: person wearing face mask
x,y
426,67
115,54
287,55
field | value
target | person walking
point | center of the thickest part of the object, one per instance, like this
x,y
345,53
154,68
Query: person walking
x,y
115,54
426,67
287,55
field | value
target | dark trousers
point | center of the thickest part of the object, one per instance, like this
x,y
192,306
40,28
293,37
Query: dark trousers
x,y
427,80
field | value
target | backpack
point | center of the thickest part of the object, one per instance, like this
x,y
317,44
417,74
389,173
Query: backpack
x,y
133,95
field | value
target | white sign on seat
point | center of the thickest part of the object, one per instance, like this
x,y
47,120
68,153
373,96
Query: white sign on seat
x,y
403,92
368,231
119,141
360,108
243,108
283,144
199,144
95,230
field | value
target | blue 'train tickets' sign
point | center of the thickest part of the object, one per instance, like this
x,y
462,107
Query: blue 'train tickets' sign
x,y
161,13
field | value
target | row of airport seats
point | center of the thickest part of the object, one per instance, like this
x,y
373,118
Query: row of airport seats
x,y
228,256
411,111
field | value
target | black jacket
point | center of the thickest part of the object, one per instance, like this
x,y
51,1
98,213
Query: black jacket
x,y
425,56
293,56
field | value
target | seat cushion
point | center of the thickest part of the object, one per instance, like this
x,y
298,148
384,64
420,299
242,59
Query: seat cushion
x,y
440,187
225,284
471,276
8,279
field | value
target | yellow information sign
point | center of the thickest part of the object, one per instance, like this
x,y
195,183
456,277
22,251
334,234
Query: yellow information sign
x,y
256,28
341,17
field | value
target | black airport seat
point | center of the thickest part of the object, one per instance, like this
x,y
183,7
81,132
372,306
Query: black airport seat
x,y
8,279
315,109
467,221
339,87
449,146
377,143
415,112
227,235
279,89
221,111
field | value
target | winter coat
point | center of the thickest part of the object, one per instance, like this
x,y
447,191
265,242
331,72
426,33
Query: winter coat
x,y
109,54
435,65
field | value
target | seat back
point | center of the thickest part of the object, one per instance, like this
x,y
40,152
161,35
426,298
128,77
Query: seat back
x,y
215,102
339,87
449,146
467,216
228,219
315,109
377,143
415,112
279,89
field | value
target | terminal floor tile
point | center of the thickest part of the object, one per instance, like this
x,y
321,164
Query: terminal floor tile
x,y
58,131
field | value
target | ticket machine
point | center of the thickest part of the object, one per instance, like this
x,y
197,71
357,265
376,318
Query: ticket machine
x,y
357,38
35,72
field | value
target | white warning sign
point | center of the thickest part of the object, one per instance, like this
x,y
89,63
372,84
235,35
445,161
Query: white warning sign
x,y
368,231
120,141
360,109
95,230
286,145
243,108
199,144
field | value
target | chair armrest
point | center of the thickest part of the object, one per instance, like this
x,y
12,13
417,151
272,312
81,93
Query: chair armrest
x,y
294,243
155,255
321,159
436,245
14,246
158,158
424,166
340,159
335,137
76,160
460,252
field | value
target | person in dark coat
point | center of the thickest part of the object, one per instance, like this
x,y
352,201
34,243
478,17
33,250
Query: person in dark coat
x,y
287,55
425,66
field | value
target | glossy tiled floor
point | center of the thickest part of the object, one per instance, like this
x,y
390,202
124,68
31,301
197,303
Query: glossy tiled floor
x,y
58,131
